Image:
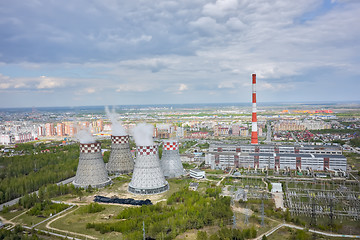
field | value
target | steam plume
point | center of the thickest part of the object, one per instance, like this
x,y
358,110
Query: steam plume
x,y
117,128
85,137
143,134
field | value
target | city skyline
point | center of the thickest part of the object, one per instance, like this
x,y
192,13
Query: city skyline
x,y
132,53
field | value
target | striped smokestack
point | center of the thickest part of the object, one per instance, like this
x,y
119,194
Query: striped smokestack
x,y
254,133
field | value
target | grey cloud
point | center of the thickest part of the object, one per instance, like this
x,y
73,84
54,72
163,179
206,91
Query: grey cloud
x,y
207,46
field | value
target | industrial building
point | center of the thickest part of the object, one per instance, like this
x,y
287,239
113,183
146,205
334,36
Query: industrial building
x,y
120,160
197,173
318,158
91,168
170,160
148,177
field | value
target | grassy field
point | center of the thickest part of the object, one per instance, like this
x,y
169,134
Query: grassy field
x,y
211,171
76,221
192,234
282,233
353,160
286,233
28,220
11,214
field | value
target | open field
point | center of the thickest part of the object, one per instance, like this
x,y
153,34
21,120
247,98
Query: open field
x,y
353,160
286,233
76,221
28,220
12,214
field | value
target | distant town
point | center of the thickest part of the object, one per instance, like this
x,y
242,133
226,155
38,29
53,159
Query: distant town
x,y
208,123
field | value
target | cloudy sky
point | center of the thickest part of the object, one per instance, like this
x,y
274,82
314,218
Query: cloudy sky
x,y
118,52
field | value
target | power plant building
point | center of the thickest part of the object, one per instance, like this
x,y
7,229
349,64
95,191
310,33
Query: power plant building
x,y
120,160
148,177
318,158
91,169
170,160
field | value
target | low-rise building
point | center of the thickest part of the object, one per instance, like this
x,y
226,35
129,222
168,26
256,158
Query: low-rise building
x,y
318,158
193,186
197,173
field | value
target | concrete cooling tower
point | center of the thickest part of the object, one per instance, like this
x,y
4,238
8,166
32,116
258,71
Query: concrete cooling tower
x,y
147,177
120,160
170,160
91,169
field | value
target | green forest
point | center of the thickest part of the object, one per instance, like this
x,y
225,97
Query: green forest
x,y
23,174
183,210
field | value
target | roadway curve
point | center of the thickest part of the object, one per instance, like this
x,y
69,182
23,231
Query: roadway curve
x,y
271,231
16,200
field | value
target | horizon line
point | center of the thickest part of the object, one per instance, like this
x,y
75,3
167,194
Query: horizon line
x,y
207,103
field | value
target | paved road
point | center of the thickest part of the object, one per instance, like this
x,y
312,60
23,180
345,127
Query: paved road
x,y
268,134
294,137
271,231
53,234
16,200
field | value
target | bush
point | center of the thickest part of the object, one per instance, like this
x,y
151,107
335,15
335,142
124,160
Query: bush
x,y
47,208
201,235
93,208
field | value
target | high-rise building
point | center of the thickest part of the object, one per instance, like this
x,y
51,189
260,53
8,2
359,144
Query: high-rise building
x,y
49,129
60,129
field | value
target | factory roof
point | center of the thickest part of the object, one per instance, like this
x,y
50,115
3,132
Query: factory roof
x,y
274,145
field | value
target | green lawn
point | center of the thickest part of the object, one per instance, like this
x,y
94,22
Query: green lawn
x,y
76,221
286,233
28,220
11,214
353,160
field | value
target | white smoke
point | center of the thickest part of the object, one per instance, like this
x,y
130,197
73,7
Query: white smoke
x,y
85,137
143,134
116,127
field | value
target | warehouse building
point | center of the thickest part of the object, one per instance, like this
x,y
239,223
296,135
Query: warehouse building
x,y
318,158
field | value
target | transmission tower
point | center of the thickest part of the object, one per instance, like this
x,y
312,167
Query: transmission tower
x,y
331,211
262,212
246,221
313,211
234,221
143,230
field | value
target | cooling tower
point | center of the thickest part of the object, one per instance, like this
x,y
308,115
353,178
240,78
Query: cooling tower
x,y
91,169
120,160
170,160
147,177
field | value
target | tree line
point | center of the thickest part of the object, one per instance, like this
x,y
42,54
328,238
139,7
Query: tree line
x,y
27,173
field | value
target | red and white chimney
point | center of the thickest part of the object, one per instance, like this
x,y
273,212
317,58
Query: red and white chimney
x,y
254,133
